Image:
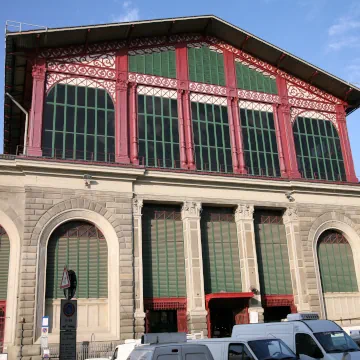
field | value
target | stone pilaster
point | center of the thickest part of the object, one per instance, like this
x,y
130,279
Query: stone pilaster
x,y
244,218
194,266
298,278
139,314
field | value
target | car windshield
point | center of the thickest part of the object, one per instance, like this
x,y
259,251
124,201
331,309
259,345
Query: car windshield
x,y
336,342
271,349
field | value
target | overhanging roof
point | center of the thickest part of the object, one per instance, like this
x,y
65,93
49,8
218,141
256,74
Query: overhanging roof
x,y
18,42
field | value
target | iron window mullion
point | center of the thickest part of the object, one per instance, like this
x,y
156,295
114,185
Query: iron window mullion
x,y
314,142
157,257
309,153
223,138
54,122
247,126
335,149
263,140
154,129
96,127
176,260
64,125
215,137
256,142
106,128
85,127
75,124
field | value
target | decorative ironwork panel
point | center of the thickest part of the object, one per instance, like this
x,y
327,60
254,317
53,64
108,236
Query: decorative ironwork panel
x,y
208,89
295,112
220,249
206,64
211,133
250,78
336,263
83,248
153,80
4,263
79,124
163,252
158,128
259,138
155,61
272,253
318,149
54,78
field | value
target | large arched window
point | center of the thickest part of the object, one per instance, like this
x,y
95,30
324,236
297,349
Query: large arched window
x,y
318,149
83,248
79,124
336,263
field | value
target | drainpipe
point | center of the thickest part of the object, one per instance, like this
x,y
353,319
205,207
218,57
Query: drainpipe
x,y
26,121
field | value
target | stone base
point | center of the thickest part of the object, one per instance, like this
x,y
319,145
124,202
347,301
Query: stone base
x,y
139,324
197,322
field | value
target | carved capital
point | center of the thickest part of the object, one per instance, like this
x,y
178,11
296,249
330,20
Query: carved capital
x,y
137,206
191,209
244,212
183,84
290,215
340,113
38,72
121,85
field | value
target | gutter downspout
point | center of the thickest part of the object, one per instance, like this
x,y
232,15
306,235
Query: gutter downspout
x,y
26,121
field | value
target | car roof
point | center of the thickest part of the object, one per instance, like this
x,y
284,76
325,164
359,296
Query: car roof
x,y
233,340
152,346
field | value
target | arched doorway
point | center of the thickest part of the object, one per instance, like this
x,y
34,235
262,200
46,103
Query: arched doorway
x,y
82,247
338,275
4,271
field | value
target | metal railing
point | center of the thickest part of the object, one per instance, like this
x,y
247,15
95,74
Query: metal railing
x,y
17,26
88,350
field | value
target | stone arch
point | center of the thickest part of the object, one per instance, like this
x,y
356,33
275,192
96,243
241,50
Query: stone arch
x,y
343,224
92,212
13,225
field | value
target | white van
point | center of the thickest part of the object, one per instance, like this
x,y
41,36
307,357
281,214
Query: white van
x,y
256,349
306,335
167,346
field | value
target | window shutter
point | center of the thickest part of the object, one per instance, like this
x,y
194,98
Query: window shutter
x,y
251,79
4,263
163,253
192,63
336,263
220,69
82,248
172,64
221,259
272,253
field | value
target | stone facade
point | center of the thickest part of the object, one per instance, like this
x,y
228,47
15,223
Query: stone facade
x,y
31,207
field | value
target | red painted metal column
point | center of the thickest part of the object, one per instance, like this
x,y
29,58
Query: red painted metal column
x,y
345,144
279,143
233,110
134,152
121,109
287,136
185,128
238,136
37,108
183,159
234,150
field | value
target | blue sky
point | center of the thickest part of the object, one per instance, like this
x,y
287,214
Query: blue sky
x,y
323,32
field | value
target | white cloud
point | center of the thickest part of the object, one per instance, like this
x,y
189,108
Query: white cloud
x,y
344,33
129,12
352,72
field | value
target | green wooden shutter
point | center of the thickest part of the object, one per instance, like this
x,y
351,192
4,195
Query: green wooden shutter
x,y
211,137
158,132
260,146
250,79
79,123
336,263
163,252
206,65
81,247
272,253
4,262
159,63
318,150
220,249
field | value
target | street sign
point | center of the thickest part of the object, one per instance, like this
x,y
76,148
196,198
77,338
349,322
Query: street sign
x,y
45,321
67,345
65,281
68,314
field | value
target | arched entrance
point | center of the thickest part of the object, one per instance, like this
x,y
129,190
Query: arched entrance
x,y
82,247
4,272
337,274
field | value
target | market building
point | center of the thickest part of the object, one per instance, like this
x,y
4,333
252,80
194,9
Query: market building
x,y
193,176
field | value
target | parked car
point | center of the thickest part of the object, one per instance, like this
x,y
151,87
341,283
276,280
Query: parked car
x,y
306,335
256,349
169,346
